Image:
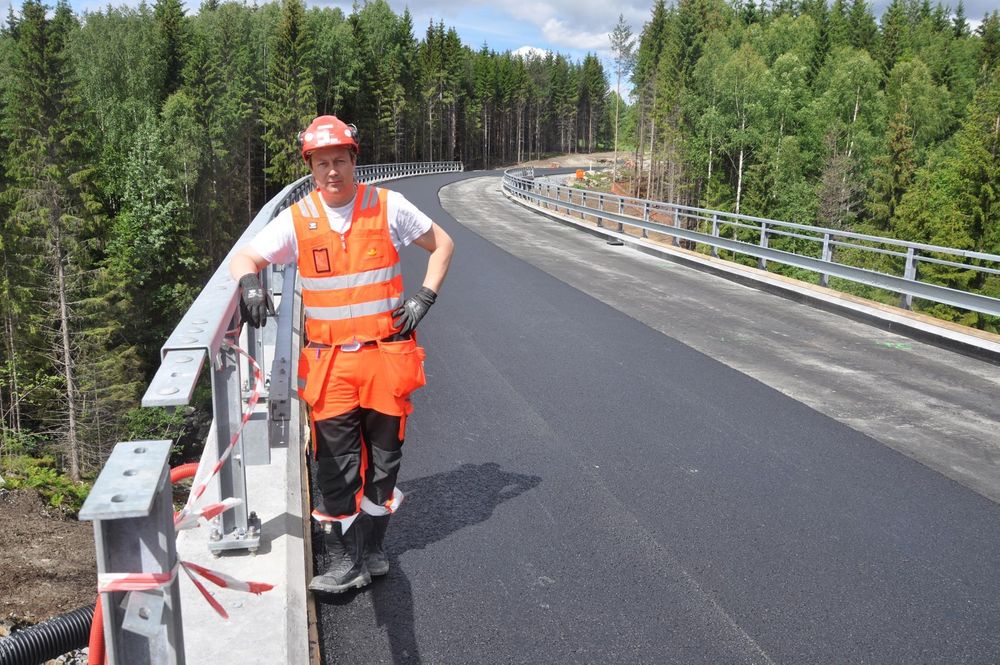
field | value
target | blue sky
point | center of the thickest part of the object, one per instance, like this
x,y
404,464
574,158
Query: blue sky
x,y
572,27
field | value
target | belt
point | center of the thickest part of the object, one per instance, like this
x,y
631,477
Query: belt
x,y
357,346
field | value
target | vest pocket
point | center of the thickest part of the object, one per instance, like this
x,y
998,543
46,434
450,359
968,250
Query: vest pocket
x,y
403,363
314,366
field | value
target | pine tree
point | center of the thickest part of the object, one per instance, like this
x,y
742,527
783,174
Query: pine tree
x,y
622,48
978,143
862,26
291,99
989,31
839,27
893,171
593,88
171,31
895,29
960,25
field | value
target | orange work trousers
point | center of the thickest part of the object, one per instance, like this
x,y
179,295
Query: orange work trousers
x,y
359,403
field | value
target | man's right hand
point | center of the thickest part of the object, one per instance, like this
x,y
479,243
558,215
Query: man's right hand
x,y
253,302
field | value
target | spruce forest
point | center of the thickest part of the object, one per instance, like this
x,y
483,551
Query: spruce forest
x,y
136,144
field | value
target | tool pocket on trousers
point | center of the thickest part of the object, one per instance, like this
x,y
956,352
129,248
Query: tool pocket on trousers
x,y
403,363
314,364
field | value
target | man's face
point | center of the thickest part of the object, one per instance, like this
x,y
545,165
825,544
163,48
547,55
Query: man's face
x,y
333,170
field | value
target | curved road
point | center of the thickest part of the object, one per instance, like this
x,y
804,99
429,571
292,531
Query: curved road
x,y
584,485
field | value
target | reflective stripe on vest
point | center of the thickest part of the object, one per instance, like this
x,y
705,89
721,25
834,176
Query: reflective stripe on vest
x,y
370,199
347,281
353,311
351,283
308,207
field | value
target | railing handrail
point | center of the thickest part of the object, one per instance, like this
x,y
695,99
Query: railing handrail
x,y
695,211
520,184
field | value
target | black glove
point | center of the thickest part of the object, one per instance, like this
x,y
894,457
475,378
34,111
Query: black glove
x,y
408,315
253,303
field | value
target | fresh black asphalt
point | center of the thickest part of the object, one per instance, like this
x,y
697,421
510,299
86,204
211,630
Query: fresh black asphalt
x,y
582,488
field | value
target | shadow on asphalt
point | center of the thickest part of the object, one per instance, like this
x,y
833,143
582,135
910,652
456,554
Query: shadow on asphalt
x,y
435,507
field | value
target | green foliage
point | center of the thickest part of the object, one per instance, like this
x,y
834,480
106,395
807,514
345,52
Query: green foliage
x,y
291,99
42,475
136,143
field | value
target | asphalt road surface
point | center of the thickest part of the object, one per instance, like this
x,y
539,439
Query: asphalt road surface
x,y
590,484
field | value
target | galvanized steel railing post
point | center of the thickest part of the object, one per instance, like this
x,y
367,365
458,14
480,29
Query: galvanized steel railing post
x,y
131,506
233,529
824,277
645,218
715,234
279,400
910,273
674,240
762,262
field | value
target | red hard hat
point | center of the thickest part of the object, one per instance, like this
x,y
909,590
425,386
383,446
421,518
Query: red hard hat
x,y
328,130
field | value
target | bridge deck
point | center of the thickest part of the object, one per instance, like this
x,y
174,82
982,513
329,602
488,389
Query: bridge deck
x,y
587,484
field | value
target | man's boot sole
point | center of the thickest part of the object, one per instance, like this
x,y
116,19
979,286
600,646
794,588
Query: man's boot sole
x,y
319,585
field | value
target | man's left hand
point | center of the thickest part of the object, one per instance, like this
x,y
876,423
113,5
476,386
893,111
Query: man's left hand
x,y
408,315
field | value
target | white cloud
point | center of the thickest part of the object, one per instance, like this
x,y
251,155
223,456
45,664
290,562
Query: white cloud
x,y
561,34
575,24
530,51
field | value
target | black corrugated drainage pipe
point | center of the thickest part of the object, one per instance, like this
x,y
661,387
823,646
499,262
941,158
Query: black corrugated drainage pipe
x,y
49,639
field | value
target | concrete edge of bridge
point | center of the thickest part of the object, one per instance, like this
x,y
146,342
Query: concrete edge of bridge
x,y
273,627
969,341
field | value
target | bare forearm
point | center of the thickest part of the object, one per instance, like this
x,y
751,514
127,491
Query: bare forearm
x,y
437,265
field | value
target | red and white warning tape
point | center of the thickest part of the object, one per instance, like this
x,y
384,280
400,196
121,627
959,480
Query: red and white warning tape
x,y
201,484
190,516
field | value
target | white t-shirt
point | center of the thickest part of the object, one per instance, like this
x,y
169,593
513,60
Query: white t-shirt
x,y
277,244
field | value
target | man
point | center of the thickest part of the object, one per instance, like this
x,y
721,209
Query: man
x,y
360,360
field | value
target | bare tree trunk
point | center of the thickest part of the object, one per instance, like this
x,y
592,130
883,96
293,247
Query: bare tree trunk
x,y
652,147
486,136
854,118
739,171
454,123
249,177
639,147
538,134
15,399
520,131
590,129
72,443
614,164
710,149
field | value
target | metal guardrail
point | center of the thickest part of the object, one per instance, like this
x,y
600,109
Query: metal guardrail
x,y
377,172
130,503
686,222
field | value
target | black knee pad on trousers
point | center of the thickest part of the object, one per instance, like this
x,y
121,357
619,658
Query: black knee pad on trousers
x,y
339,479
381,432
384,470
338,456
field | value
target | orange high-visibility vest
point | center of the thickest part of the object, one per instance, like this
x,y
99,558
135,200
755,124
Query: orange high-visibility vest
x,y
351,283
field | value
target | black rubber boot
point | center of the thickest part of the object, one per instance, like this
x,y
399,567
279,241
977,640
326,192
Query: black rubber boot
x,y
345,553
375,557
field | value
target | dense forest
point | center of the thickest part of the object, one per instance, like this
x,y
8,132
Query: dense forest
x,y
137,143
822,115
